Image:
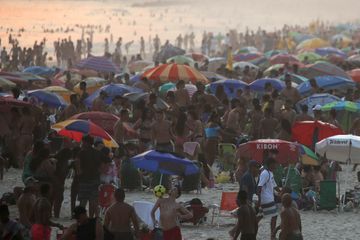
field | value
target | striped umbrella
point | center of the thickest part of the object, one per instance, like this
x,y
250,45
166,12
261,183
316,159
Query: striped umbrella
x,y
76,129
308,157
174,73
99,64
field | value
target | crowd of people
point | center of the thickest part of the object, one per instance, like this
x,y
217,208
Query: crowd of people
x,y
203,119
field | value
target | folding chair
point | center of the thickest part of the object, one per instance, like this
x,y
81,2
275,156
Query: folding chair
x,y
106,193
227,156
143,211
227,205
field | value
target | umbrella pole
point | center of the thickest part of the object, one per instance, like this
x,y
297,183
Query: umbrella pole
x,y
347,174
161,176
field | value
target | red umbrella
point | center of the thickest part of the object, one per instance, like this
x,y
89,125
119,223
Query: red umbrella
x,y
355,75
288,152
102,119
310,132
283,58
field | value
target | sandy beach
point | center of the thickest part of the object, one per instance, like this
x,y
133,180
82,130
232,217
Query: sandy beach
x,y
322,225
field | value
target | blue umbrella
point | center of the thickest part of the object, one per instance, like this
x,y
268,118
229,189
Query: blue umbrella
x,y
135,78
112,90
259,84
41,71
298,79
316,99
230,86
330,51
326,83
164,163
99,64
302,37
51,99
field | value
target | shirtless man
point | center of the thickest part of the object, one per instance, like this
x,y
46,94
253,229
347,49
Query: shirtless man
x,y
247,224
181,95
268,124
25,205
71,109
161,133
119,216
290,220
99,102
290,92
234,118
171,213
119,130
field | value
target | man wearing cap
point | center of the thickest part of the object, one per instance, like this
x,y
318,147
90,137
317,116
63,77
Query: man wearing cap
x,y
248,182
99,102
85,228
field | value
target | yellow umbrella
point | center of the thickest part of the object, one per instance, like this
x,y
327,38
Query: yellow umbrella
x,y
63,92
92,84
312,44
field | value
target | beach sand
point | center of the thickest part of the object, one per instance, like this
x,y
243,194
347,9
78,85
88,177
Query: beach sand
x,y
322,225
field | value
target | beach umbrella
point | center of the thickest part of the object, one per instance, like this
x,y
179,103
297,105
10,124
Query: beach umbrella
x,y
249,49
6,85
327,83
211,76
300,37
164,163
138,66
310,132
215,63
76,128
92,84
112,90
173,73
310,56
312,44
262,62
308,157
230,86
135,97
242,65
275,52
167,52
355,75
197,57
259,84
330,51
288,152
283,58
341,40
315,99
321,68
99,64
353,61
51,99
181,59
104,120
244,57
135,78
166,87
298,79
61,91
6,103
275,67
40,71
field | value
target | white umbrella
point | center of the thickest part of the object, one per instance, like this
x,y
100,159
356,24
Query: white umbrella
x,y
340,148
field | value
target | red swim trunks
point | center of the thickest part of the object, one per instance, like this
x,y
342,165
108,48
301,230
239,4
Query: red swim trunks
x,y
172,234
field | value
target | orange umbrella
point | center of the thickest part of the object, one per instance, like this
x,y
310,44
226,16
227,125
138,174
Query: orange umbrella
x,y
355,75
173,73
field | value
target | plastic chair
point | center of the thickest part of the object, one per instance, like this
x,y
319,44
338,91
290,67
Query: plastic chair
x,y
227,205
106,193
143,211
227,156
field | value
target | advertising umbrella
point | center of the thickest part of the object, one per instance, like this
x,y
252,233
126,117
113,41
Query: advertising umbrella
x,y
259,84
164,163
112,90
51,99
104,120
316,99
288,152
326,83
230,86
76,129
99,64
173,73
310,132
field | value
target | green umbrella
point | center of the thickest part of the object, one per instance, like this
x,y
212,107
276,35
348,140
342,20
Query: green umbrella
x,y
275,67
308,157
181,59
163,89
311,57
298,79
271,53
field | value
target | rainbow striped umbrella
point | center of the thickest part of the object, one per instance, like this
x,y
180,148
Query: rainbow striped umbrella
x,y
173,73
76,129
99,64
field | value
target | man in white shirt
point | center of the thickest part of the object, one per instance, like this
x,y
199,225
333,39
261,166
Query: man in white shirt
x,y
265,193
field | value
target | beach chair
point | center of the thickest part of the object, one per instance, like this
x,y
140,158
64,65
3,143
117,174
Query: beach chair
x,y
327,195
227,206
227,156
143,211
106,193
